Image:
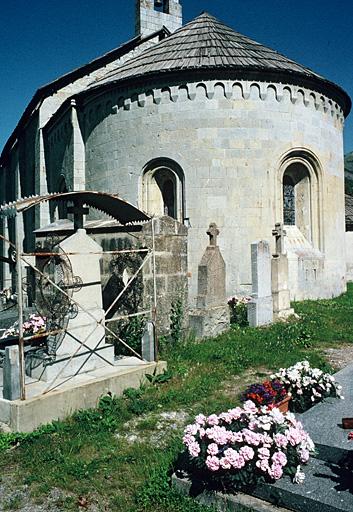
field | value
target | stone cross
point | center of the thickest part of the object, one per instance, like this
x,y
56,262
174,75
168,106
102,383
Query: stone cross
x,y
79,211
213,232
279,233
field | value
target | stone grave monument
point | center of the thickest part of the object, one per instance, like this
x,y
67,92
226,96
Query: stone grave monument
x,y
279,266
211,316
260,308
83,346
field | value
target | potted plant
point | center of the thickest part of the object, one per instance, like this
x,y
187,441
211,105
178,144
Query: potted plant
x,y
34,328
271,393
307,385
244,446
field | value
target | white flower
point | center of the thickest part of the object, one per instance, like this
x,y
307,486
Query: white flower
x,y
299,476
277,416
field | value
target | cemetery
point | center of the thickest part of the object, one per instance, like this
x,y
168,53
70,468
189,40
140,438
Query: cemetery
x,y
176,300
67,369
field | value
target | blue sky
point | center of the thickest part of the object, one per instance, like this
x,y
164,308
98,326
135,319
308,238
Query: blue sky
x,y
41,40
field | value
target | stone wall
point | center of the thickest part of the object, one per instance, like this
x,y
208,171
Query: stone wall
x,y
232,140
171,269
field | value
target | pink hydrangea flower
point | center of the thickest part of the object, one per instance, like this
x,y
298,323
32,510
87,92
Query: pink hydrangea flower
x,y
249,407
263,465
275,471
281,440
294,436
279,458
235,437
188,439
200,419
263,453
235,458
247,452
266,440
213,420
194,449
212,463
202,432
191,429
252,438
225,463
226,417
235,413
219,435
212,449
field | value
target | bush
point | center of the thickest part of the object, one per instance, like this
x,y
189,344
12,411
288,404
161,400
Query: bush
x,y
307,385
244,446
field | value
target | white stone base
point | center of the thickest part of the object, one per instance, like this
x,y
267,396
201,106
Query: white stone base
x,y
209,322
83,362
80,392
260,311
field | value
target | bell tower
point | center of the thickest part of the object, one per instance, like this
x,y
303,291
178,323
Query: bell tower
x,y
151,15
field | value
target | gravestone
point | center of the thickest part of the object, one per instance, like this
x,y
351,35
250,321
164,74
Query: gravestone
x,y
280,289
11,377
211,316
148,342
260,308
83,346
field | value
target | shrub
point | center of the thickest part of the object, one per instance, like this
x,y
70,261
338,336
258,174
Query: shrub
x,y
244,446
238,310
307,385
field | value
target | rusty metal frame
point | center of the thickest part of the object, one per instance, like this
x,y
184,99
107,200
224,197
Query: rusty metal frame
x,y
21,257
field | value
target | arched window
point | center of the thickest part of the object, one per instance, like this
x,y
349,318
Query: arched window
x,y
288,201
163,189
297,198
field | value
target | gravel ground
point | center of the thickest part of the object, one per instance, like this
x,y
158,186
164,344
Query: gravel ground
x,y
340,357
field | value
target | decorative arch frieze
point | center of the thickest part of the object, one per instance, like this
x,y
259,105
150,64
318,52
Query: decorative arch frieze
x,y
229,89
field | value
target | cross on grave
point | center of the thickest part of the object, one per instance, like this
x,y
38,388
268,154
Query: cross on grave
x,y
279,233
79,211
213,232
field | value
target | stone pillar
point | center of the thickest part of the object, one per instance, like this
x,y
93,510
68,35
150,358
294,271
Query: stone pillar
x,y
79,177
280,289
260,309
88,325
11,377
211,316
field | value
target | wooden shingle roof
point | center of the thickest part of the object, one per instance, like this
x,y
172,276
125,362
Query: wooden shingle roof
x,y
207,44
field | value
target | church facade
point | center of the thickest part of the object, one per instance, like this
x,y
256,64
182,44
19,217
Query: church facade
x,y
205,125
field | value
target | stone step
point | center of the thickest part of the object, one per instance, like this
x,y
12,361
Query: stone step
x,y
327,488
324,421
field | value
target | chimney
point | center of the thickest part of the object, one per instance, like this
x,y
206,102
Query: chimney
x,y
151,15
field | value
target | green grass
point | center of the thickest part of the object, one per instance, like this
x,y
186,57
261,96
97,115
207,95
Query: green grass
x,y
83,456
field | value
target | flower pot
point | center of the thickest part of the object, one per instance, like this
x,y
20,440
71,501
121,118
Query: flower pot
x,y
283,404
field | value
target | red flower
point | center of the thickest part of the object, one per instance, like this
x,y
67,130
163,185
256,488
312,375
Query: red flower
x,y
350,436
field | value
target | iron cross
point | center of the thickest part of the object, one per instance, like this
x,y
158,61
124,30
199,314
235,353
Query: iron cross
x,y
79,211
